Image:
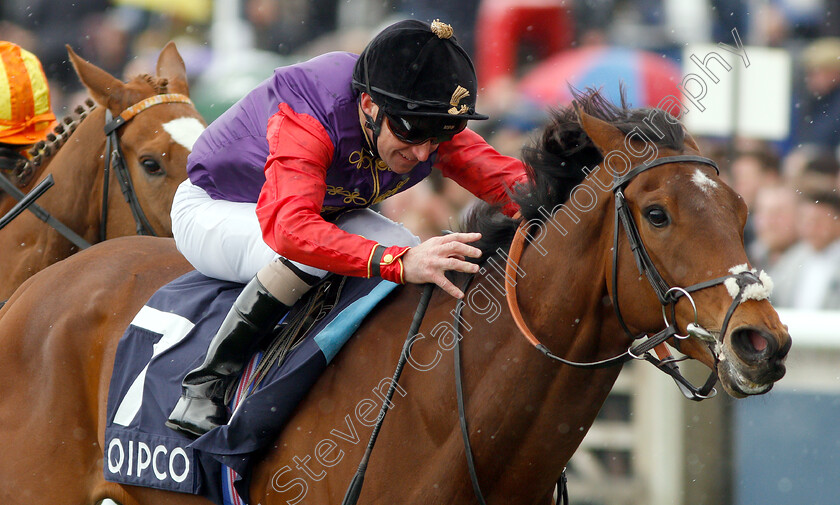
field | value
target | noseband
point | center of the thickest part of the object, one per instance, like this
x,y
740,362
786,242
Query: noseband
x,y
114,156
668,295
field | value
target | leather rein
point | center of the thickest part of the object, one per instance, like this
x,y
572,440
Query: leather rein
x,y
114,157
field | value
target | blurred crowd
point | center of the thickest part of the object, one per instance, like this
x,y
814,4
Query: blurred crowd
x,y
790,186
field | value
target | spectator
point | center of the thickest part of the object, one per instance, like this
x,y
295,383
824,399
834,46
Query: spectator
x,y
54,26
462,14
750,170
810,167
509,28
818,107
808,275
591,19
285,27
774,219
729,14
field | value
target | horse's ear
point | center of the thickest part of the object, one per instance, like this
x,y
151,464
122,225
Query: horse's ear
x,y
106,89
606,137
690,143
171,65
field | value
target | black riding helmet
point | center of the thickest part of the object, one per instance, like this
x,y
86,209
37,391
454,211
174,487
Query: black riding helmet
x,y
421,79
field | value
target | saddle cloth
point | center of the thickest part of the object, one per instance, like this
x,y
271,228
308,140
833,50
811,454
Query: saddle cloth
x,y
169,337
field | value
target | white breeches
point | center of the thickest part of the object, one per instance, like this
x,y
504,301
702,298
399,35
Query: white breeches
x,y
223,239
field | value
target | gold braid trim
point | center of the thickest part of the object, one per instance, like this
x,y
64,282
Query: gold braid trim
x,y
442,30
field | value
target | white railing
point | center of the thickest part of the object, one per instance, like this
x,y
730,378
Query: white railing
x,y
813,328
813,361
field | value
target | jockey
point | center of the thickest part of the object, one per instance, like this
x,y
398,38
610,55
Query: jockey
x,y
25,113
280,187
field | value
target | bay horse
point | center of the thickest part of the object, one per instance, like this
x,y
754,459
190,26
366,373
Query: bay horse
x,y
526,413
160,125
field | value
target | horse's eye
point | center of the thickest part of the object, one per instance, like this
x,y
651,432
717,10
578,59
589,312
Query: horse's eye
x,y
657,217
152,167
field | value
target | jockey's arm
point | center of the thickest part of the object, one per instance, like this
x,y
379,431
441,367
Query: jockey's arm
x,y
289,205
475,165
289,212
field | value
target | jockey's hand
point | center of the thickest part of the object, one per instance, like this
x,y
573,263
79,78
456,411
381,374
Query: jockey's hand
x,y
428,261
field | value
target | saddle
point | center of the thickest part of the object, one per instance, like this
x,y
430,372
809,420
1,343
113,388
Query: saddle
x,y
169,336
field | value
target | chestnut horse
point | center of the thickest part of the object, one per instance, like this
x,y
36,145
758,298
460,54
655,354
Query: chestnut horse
x,y
154,144
526,413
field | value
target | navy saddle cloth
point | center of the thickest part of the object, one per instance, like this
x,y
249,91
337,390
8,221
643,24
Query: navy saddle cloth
x,y
168,338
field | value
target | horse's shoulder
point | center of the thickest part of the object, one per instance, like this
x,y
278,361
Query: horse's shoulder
x,y
131,249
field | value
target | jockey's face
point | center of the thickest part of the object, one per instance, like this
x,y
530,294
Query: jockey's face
x,y
401,157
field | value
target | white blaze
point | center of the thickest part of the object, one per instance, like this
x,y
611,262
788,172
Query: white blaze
x,y
184,130
703,181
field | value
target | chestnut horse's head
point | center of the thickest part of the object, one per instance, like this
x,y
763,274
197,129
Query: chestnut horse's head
x,y
680,249
160,128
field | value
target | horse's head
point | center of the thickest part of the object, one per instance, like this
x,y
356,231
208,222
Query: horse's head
x,y
155,139
690,225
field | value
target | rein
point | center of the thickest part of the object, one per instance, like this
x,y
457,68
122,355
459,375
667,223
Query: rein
x,y
114,156
27,201
561,486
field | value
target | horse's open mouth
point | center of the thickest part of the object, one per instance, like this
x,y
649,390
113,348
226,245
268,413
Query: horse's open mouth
x,y
739,386
751,362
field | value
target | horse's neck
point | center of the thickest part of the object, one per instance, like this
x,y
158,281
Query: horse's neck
x,y
28,244
542,409
77,168
551,406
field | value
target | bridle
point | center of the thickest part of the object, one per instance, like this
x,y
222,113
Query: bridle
x,y
667,295
114,157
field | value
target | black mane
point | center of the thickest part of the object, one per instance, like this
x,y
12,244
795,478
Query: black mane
x,y
556,159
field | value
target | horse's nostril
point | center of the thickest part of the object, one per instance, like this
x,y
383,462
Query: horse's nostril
x,y
758,342
751,344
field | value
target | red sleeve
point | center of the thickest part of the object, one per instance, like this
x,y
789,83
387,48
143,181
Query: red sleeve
x,y
471,162
289,206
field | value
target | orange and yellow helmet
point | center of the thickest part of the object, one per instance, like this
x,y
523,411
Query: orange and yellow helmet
x,y
25,113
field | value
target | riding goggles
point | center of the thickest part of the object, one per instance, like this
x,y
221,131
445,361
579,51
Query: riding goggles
x,y
420,129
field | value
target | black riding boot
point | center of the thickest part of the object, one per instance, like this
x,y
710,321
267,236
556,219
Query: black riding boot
x,y
202,404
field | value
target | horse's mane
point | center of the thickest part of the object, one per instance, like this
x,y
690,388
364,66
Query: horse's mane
x,y
159,84
556,158
62,131
26,169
